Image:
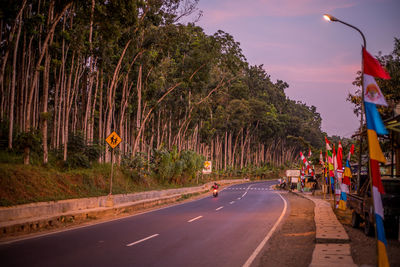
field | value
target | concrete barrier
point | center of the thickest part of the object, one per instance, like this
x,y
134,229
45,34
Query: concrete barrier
x,y
35,216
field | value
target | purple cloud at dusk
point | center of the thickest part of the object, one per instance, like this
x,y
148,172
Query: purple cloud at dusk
x,y
318,59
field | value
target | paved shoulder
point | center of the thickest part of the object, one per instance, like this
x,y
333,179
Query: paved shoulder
x,y
332,248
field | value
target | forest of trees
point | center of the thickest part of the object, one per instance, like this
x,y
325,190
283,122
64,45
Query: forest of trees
x,y
87,68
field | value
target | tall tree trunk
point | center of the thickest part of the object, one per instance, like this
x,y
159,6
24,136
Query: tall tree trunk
x,y
12,93
139,103
45,96
111,98
34,84
44,110
101,112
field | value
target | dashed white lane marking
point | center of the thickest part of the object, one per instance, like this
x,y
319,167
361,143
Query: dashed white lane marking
x,y
231,202
219,208
141,240
253,188
239,198
195,218
262,244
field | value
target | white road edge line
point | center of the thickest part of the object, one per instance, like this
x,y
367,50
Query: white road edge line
x,y
262,244
220,208
141,240
195,218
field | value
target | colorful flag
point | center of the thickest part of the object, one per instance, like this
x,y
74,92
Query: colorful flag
x,y
340,156
374,127
378,207
304,160
373,67
347,173
351,152
347,169
335,164
374,121
330,163
372,93
327,142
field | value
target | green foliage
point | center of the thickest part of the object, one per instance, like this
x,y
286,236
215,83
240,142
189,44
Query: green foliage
x,y
174,167
81,155
31,139
136,167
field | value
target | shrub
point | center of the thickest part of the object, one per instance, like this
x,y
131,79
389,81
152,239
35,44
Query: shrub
x,y
137,167
174,167
81,155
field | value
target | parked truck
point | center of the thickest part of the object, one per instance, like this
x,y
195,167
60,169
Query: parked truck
x,y
362,206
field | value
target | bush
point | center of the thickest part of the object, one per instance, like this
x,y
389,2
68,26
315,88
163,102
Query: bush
x,y
77,160
174,167
81,155
137,167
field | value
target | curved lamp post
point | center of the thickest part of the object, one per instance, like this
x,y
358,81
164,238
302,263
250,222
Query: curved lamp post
x,y
332,18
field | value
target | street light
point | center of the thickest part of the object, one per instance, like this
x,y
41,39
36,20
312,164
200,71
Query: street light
x,y
332,18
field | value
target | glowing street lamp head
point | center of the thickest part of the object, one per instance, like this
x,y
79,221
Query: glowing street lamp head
x,y
329,17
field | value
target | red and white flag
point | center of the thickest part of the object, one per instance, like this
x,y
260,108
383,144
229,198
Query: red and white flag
x,y
351,152
327,142
304,160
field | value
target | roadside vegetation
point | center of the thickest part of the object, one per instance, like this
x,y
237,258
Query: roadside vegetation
x,y
72,72
20,184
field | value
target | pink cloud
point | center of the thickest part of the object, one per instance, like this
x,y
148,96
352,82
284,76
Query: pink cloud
x,y
314,74
235,9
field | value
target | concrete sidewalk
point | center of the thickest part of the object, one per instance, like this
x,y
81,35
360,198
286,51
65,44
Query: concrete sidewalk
x,y
332,246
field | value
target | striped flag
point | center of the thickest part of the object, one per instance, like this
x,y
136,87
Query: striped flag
x,y
376,127
304,161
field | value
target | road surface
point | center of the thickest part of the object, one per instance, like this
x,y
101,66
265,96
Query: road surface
x,y
222,231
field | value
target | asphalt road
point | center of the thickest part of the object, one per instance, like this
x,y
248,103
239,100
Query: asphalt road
x,y
222,231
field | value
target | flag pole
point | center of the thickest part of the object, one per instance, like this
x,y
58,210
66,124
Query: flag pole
x,y
332,18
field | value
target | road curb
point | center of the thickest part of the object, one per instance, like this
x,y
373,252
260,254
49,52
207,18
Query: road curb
x,y
332,246
13,228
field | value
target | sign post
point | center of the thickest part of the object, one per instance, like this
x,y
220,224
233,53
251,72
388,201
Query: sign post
x,y
113,140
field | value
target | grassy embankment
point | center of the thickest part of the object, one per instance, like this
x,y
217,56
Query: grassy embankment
x,y
20,184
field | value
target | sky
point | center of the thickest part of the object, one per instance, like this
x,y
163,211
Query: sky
x,y
318,59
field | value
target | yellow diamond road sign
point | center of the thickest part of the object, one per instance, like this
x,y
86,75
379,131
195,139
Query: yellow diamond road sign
x,y
113,139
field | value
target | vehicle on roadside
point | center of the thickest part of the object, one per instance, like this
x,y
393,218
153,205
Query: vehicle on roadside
x,y
362,206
